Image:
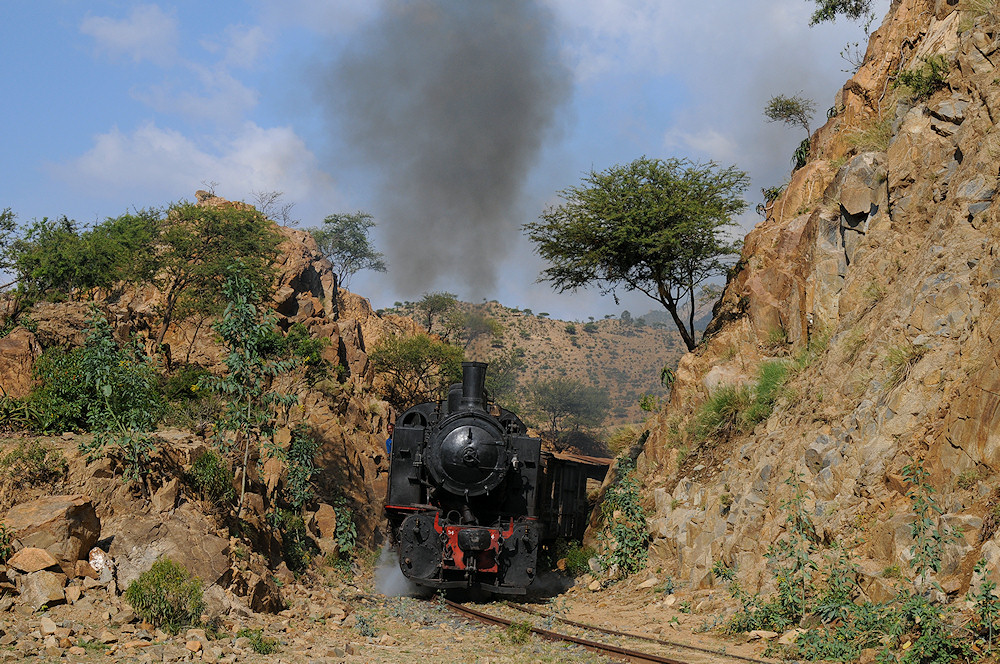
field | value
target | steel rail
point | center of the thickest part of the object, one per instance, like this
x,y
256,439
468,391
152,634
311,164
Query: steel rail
x,y
652,639
608,649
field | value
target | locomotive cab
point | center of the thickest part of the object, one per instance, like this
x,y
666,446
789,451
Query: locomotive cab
x,y
463,492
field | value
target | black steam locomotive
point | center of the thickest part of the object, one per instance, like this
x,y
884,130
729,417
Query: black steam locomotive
x,y
472,497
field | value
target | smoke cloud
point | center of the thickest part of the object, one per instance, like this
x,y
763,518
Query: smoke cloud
x,y
450,103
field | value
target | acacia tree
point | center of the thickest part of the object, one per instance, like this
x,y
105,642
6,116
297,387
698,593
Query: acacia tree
x,y
562,400
827,10
195,247
415,367
436,306
344,239
653,226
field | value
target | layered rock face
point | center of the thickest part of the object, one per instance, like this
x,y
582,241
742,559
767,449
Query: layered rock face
x,y
346,415
881,256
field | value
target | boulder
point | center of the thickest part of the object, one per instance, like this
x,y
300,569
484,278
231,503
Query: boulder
x,y
42,588
32,559
184,537
65,526
324,521
165,498
18,352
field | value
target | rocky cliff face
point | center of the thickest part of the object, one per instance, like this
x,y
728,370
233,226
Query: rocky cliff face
x,y
346,415
881,256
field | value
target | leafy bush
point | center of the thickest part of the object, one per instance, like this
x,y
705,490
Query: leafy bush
x,y
167,596
260,644
624,535
346,532
296,546
211,476
33,462
578,559
309,352
183,384
252,407
6,543
301,467
924,81
105,387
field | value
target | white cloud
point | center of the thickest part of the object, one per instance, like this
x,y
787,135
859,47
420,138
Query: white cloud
x,y
222,97
327,17
156,164
148,33
241,45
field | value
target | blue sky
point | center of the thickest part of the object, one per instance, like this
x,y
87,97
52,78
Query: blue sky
x,y
113,105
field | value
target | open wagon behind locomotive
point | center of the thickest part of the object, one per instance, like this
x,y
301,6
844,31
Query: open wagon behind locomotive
x,y
472,497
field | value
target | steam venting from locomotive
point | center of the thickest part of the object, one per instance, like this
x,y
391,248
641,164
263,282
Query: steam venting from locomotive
x,y
450,102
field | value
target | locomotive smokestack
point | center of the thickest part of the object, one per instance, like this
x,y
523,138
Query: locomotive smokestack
x,y
474,385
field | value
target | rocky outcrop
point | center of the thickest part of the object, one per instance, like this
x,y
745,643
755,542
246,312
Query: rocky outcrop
x,y
66,527
877,268
18,352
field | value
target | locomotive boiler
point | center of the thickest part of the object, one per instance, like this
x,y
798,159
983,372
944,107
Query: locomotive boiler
x,y
472,497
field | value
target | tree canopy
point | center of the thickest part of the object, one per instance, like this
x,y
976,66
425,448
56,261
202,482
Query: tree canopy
x,y
415,368
794,110
436,306
827,10
568,400
343,239
653,226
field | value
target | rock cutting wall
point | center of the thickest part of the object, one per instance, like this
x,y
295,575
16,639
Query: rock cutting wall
x,y
878,250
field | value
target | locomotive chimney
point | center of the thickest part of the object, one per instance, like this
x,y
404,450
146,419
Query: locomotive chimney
x,y
474,385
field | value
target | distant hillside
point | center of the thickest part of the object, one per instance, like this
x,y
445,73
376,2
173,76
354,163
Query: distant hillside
x,y
626,358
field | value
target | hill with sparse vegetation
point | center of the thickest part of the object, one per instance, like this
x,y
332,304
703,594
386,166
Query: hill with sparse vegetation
x,y
624,356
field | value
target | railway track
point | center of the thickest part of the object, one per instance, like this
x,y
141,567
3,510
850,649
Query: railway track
x,y
695,654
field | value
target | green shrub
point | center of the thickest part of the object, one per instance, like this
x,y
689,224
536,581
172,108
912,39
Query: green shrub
x,y
924,81
167,596
6,543
301,467
105,387
183,385
309,351
518,632
260,644
212,477
296,546
346,532
33,462
624,534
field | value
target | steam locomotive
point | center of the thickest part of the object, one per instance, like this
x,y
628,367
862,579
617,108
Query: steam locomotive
x,y
472,498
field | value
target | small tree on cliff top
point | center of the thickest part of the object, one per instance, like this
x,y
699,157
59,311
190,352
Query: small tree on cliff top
x,y
828,10
654,226
344,239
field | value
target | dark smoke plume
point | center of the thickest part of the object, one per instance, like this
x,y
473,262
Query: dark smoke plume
x,y
450,101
